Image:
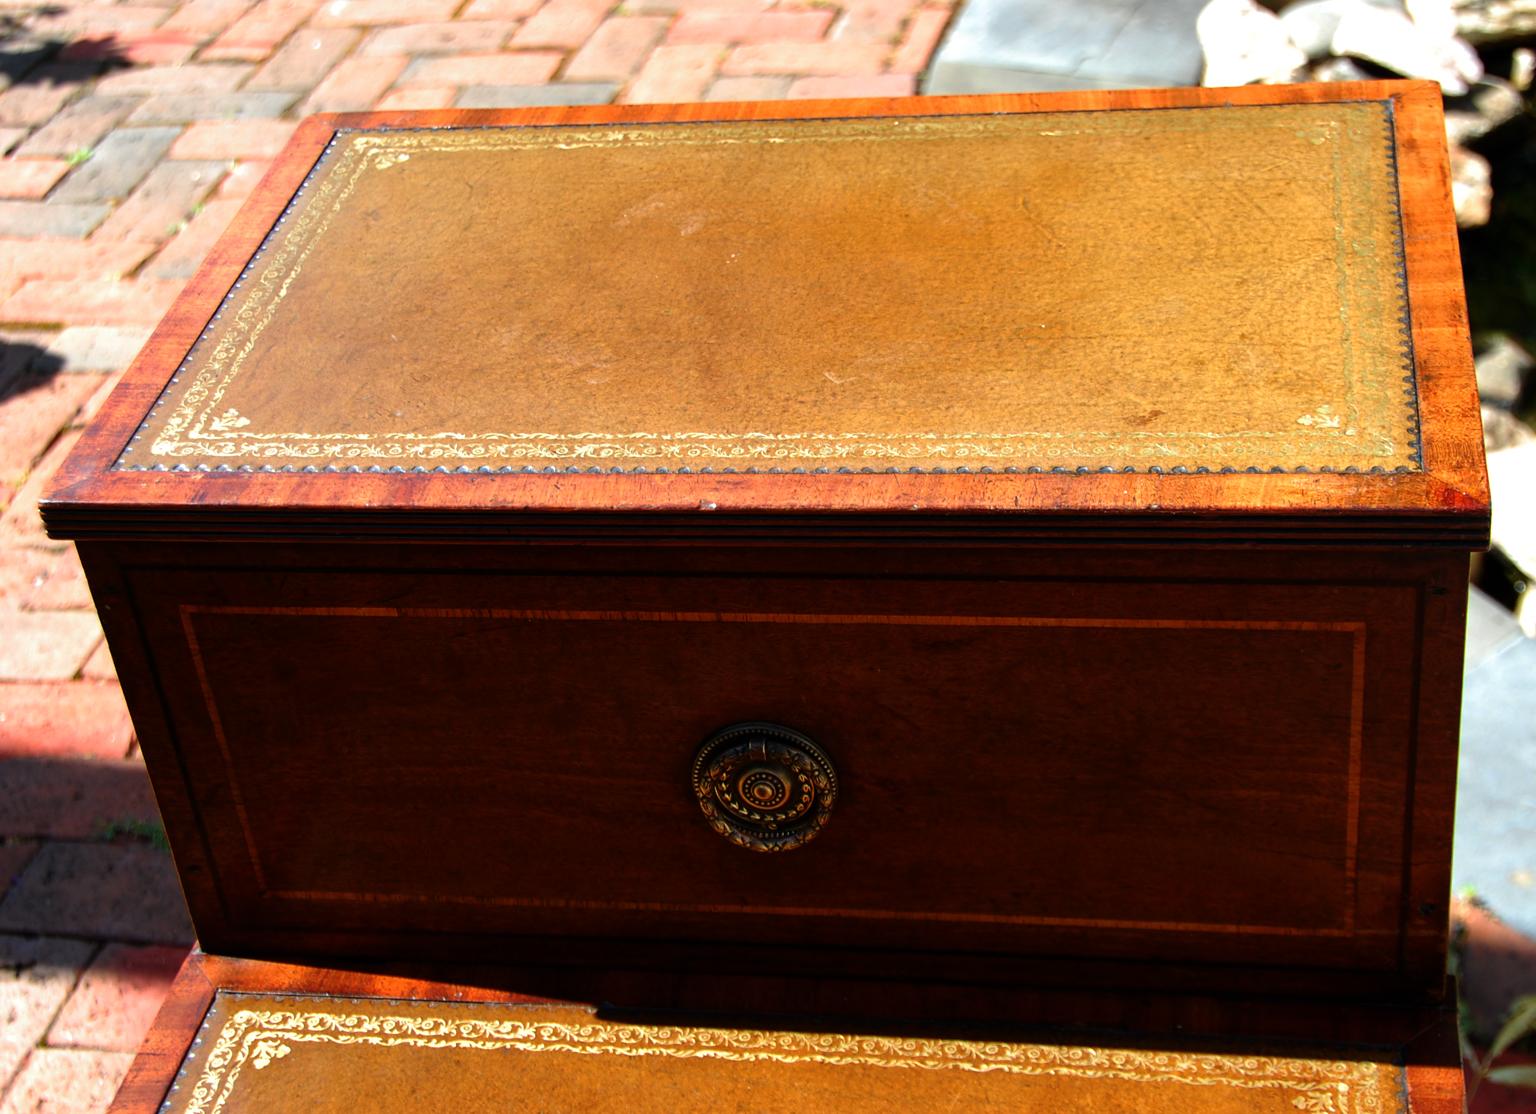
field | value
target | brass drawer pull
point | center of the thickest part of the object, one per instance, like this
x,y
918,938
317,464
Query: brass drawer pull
x,y
764,787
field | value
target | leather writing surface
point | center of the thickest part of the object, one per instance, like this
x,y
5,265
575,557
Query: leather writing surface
x,y
1200,288
264,1053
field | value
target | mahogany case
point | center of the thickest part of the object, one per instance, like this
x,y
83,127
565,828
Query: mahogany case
x,y
1091,477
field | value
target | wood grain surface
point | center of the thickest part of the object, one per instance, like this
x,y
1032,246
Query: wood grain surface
x,y
1002,811
1446,500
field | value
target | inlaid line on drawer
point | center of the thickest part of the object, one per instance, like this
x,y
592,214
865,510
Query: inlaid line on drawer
x,y
1356,631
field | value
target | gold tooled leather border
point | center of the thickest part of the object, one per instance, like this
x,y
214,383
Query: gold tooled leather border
x,y
201,425
261,1031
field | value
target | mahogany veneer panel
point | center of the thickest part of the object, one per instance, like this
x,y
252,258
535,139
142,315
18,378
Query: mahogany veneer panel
x,y
499,745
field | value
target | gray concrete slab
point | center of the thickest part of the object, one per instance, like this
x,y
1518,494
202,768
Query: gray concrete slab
x,y
119,162
48,218
1002,46
1491,629
1495,851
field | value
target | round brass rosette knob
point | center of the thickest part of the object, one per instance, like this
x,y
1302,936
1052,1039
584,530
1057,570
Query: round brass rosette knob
x,y
764,787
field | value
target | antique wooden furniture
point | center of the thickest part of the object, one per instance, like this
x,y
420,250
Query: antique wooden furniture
x,y
1006,546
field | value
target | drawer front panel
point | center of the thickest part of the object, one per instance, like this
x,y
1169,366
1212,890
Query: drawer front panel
x,y
1025,766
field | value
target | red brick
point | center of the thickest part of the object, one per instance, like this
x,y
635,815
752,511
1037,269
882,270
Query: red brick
x,y
116,999
305,59
31,419
921,38
833,59
418,97
66,719
440,38
499,9
370,13
259,32
82,20
72,798
164,200
242,179
9,137
871,21
20,525
521,68
60,584
748,89
674,74
750,27
877,85
151,48
181,258
63,259
45,645
36,976
90,302
67,1081
35,102
97,350
671,7
233,139
616,49
22,569
109,382
206,16
99,667
201,78
107,891
562,23
15,854
29,177
79,127
355,85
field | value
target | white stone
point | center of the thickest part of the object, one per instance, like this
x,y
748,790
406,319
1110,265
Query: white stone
x,y
1502,430
1338,69
1311,23
1501,371
1436,18
1512,486
1490,103
1244,43
1488,21
1393,40
1471,188
1522,68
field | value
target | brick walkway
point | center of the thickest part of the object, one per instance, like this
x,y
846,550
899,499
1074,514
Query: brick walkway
x,y
130,135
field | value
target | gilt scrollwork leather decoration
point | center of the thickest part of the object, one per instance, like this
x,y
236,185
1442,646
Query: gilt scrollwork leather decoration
x,y
764,787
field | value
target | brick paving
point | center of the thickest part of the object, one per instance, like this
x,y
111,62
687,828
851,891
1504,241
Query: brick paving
x,y
130,134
